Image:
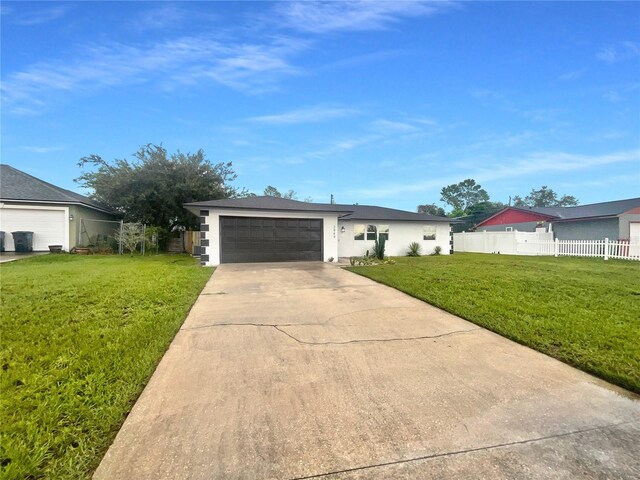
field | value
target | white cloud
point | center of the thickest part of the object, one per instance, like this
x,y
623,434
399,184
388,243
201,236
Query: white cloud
x,y
37,17
623,51
161,17
188,60
612,96
572,75
391,127
34,149
538,162
305,115
323,17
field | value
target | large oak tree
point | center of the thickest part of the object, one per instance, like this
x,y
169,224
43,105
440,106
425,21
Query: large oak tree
x,y
153,187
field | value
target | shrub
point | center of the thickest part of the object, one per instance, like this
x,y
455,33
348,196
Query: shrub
x,y
414,249
437,250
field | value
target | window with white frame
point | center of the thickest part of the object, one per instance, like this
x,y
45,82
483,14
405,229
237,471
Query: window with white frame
x,y
429,232
370,232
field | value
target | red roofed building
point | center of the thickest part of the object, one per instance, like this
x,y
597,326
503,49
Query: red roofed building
x,y
619,219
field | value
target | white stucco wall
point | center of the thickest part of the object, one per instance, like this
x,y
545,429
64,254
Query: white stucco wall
x,y
401,234
329,230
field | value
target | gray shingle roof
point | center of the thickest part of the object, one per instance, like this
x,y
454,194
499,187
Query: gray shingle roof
x,y
19,186
604,209
347,212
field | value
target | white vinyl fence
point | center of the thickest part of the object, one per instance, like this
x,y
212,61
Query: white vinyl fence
x,y
542,243
506,243
620,249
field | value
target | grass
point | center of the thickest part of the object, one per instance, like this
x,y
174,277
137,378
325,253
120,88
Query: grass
x,y
582,311
81,337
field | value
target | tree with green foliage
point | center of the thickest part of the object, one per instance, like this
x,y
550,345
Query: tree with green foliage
x,y
431,209
153,187
544,197
272,191
461,196
483,208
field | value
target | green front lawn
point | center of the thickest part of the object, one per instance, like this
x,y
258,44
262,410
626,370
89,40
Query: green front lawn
x,y
583,311
81,336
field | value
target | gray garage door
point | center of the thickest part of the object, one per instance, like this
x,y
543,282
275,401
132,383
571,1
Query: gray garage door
x,y
249,239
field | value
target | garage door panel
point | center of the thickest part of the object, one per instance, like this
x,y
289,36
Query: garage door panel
x,y
257,239
48,226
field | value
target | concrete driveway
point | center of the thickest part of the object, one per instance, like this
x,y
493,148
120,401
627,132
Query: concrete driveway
x,y
292,371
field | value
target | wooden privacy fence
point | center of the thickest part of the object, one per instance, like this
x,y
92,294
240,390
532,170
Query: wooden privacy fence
x,y
619,249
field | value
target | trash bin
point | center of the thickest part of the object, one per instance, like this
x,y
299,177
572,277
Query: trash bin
x,y
1,241
23,241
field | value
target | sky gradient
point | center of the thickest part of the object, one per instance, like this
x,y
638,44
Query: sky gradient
x,y
377,103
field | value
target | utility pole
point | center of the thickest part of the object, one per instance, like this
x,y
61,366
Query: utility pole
x,y
332,199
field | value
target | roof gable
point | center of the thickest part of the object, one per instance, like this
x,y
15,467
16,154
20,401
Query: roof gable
x,y
18,186
510,215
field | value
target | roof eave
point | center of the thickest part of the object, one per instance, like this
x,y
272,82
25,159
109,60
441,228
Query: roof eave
x,y
203,206
580,219
56,202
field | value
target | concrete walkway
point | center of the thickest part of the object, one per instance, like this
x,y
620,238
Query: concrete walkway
x,y
290,371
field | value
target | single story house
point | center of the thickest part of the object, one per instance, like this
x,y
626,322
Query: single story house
x,y
53,214
271,229
617,220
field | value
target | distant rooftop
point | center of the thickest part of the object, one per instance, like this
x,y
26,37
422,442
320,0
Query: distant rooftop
x,y
604,209
19,186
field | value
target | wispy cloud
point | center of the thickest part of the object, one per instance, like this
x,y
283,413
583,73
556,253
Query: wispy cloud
x,y
391,127
245,67
538,162
305,115
39,16
572,75
323,17
34,149
160,17
617,53
502,101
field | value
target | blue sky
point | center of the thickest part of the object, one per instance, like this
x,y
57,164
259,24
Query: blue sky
x,y
377,103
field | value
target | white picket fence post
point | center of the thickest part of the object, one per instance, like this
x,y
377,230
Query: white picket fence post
x,y
606,249
555,247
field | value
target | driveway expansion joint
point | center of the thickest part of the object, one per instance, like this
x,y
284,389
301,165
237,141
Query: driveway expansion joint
x,y
469,450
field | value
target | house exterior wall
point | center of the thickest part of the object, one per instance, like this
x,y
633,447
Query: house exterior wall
x,y
587,229
401,234
210,231
520,227
75,211
626,219
83,213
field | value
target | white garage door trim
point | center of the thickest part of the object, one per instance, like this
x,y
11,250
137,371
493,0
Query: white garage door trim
x,y
40,242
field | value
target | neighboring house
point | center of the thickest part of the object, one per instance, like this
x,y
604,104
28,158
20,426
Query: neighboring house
x,y
270,229
53,214
468,223
617,220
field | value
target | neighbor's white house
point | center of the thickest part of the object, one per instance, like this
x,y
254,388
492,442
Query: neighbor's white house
x,y
271,229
